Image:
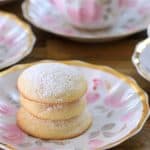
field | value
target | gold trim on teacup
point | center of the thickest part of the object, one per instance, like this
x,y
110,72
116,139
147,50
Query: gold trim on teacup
x,y
143,96
136,59
29,34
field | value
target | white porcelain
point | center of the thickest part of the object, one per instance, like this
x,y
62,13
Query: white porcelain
x,y
141,58
118,105
89,14
46,16
16,39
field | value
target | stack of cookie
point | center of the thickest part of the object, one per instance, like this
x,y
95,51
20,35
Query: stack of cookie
x,y
52,101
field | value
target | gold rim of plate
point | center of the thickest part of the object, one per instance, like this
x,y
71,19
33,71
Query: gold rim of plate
x,y
143,96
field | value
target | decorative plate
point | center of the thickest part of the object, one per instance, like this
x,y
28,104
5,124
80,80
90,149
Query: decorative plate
x,y
44,15
118,105
141,58
16,39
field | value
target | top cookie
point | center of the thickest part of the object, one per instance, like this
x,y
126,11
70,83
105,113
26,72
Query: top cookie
x,y
52,83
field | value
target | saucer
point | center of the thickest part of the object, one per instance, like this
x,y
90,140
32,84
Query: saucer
x,y
141,58
16,39
119,108
45,16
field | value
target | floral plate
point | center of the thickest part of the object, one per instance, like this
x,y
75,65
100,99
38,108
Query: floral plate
x,y
44,15
118,105
16,39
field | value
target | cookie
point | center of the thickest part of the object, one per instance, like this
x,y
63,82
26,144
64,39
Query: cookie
x,y
56,130
52,83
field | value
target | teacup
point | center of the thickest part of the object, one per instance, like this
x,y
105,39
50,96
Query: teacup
x,y
89,14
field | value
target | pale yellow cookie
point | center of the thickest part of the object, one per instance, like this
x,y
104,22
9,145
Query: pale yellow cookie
x,y
52,83
54,111
55,130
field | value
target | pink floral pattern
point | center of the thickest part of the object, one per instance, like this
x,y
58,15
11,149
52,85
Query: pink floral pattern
x,y
128,3
68,31
95,143
6,109
93,94
11,133
48,20
4,39
92,97
128,116
130,27
90,12
3,28
145,9
9,41
97,83
59,4
115,100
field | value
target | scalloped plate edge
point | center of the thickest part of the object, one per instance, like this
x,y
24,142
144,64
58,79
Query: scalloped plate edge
x,y
129,80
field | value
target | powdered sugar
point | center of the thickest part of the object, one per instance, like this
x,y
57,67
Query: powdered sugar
x,y
52,80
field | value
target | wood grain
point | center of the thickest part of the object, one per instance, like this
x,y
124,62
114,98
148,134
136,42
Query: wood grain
x,y
115,54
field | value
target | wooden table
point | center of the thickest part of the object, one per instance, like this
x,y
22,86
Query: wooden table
x,y
115,54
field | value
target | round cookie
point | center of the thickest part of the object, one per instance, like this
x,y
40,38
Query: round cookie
x,y
55,130
52,83
54,111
